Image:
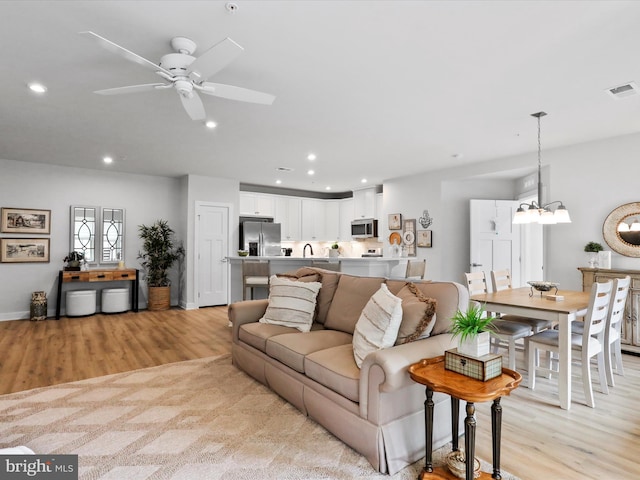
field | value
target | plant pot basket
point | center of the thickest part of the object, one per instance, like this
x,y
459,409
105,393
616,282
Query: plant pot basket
x,y
159,298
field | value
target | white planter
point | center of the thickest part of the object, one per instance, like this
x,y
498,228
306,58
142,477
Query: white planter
x,y
476,347
604,259
333,252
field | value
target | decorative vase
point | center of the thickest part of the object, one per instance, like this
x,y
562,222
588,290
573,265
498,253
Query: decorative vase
x,y
477,346
604,259
38,306
159,298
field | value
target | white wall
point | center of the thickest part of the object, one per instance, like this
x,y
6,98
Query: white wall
x,y
40,186
591,179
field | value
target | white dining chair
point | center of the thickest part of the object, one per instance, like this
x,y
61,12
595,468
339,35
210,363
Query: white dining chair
x,y
501,280
612,336
504,332
590,343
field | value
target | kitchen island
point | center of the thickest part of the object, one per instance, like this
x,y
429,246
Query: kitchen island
x,y
361,266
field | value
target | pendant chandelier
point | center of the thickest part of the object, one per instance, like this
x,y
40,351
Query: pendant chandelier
x,y
536,212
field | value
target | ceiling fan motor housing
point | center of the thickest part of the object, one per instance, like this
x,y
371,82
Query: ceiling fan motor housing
x,y
177,63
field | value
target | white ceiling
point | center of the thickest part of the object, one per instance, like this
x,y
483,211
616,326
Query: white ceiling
x,y
379,89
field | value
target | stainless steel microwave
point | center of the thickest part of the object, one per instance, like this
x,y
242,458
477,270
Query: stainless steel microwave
x,y
364,228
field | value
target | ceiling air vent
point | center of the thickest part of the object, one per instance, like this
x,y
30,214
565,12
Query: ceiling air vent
x,y
621,91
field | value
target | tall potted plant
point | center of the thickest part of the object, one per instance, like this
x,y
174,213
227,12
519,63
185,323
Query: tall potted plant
x,y
158,255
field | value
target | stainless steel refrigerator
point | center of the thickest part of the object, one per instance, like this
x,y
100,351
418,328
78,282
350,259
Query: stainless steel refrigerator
x,y
261,239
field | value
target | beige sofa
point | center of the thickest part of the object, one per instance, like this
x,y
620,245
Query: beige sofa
x,y
377,409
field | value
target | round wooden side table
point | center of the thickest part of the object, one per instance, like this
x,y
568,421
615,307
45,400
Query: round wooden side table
x,y
431,373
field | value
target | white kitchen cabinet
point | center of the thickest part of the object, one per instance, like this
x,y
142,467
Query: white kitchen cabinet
x,y
261,204
313,220
332,220
364,203
346,217
288,215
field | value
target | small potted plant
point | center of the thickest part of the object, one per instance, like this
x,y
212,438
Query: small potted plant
x,y
473,328
593,249
333,251
73,260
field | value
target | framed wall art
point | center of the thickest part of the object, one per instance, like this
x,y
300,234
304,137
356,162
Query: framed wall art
x,y
395,221
25,220
409,237
24,250
425,238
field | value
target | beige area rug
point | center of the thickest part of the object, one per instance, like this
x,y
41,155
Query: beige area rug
x,y
193,420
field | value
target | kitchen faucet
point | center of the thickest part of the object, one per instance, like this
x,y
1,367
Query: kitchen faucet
x,y
304,250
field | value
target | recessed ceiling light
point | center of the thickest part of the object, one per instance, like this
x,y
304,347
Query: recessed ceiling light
x,y
278,182
364,180
327,188
311,157
107,160
37,87
310,172
211,124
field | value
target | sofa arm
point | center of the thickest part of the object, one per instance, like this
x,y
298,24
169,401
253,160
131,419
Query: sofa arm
x,y
247,311
387,370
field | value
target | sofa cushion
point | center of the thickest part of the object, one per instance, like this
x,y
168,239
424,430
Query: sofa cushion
x,y
418,314
336,369
291,348
291,303
350,298
378,325
329,282
256,334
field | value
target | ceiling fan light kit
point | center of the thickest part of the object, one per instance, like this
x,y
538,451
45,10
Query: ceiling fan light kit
x,y
536,212
187,74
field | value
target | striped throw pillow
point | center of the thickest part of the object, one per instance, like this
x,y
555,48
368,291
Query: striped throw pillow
x,y
291,303
378,325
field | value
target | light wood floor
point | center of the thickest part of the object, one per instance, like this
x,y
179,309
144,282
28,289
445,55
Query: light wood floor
x,y
539,440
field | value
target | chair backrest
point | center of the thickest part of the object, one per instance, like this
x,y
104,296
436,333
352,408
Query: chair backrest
x,y
620,291
256,268
416,268
500,279
595,320
327,265
476,282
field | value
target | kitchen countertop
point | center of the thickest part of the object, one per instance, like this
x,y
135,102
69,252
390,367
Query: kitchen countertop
x,y
329,259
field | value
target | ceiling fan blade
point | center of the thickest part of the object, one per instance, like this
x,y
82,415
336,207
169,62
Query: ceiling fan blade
x,y
214,59
123,52
236,93
193,105
132,89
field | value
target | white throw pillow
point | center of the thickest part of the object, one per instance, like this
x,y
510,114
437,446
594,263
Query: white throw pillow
x,y
291,303
378,325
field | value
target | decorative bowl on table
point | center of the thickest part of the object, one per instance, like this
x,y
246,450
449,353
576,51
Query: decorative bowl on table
x,y
543,287
457,466
243,253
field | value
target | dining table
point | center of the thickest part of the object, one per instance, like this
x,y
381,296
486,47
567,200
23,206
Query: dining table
x,y
561,308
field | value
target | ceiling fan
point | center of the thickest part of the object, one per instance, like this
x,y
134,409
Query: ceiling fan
x,y
187,74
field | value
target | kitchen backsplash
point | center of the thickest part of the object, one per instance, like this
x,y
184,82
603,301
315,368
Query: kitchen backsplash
x,y
346,249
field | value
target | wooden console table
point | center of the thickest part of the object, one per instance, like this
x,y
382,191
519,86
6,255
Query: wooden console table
x,y
431,373
100,275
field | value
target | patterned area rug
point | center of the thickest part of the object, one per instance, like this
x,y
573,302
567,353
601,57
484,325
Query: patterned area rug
x,y
194,420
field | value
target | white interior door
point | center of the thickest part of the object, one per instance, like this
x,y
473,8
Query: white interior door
x,y
494,242
211,258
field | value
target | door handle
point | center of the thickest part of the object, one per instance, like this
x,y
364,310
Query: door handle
x,y
476,264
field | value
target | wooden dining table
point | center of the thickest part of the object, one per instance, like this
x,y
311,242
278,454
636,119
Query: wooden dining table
x,y
531,303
